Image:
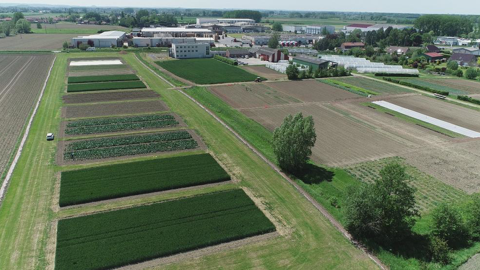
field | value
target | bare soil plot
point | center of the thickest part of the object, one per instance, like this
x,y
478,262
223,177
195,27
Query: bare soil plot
x,y
251,95
265,72
468,86
311,91
373,85
442,110
21,80
35,42
135,107
340,140
109,96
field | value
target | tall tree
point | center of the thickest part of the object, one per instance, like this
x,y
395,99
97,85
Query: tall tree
x,y
23,26
17,16
293,142
273,41
277,27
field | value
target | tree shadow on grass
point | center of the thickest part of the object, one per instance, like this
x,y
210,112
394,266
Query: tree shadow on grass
x,y
313,174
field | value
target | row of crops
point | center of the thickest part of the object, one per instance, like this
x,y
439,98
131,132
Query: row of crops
x,y
115,124
123,237
120,180
129,145
82,87
103,78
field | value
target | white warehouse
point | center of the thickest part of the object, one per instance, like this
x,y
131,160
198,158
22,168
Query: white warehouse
x,y
103,40
190,50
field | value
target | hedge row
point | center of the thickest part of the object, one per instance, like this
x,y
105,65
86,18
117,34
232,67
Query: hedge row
x,y
428,89
128,236
120,127
105,86
226,60
381,74
104,78
120,180
469,99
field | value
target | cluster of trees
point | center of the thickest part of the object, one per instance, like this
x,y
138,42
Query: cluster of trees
x,y
293,72
143,18
18,24
244,14
444,25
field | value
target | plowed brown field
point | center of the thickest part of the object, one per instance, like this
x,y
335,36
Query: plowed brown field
x,y
311,91
122,108
108,96
265,72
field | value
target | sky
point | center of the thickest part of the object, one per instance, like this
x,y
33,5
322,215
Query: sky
x,y
403,6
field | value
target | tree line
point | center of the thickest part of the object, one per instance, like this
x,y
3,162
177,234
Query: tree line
x,y
18,24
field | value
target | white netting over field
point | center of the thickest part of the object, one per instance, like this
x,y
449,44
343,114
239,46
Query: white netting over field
x,y
363,65
282,65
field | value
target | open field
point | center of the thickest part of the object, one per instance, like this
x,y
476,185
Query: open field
x,y
34,42
251,95
207,71
265,72
109,96
436,84
21,80
103,78
338,135
96,110
307,239
98,86
311,91
78,71
467,86
73,28
114,181
379,87
137,234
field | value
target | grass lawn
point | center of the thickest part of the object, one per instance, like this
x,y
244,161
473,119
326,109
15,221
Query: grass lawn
x,y
207,71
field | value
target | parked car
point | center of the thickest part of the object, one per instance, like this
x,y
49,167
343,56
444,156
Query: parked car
x,y
50,137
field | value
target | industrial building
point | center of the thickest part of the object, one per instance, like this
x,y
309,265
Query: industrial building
x,y
268,54
201,21
371,27
103,40
319,29
299,39
314,62
177,32
168,41
190,50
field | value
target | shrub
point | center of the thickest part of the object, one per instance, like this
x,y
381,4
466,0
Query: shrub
x,y
292,72
469,99
83,47
472,219
459,73
447,224
471,73
453,65
440,250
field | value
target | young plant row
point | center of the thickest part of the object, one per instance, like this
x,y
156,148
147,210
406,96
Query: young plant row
x,y
120,127
103,78
424,88
119,120
105,86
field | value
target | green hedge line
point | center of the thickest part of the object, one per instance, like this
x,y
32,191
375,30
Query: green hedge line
x,y
428,89
105,78
105,86
118,238
226,60
103,125
469,99
120,180
380,74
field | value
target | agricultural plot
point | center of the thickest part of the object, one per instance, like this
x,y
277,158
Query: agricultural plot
x,y
128,236
21,80
206,71
116,124
433,84
251,95
312,91
457,115
131,145
373,85
96,110
109,96
99,86
339,135
430,191
35,42
120,180
103,78
77,71
73,28
265,72
466,86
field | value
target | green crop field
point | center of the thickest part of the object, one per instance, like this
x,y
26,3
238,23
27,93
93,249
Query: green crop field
x,y
105,78
82,87
434,86
127,236
100,67
120,180
115,124
129,145
207,71
373,85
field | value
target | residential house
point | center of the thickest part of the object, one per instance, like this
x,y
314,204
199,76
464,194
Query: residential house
x,y
433,56
464,60
471,50
397,50
432,49
350,45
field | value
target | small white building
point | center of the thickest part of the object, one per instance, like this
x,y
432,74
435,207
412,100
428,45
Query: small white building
x,y
319,29
103,40
190,50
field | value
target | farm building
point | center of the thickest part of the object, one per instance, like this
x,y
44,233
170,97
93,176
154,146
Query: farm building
x,y
433,56
177,32
319,29
293,28
190,50
267,54
103,40
315,63
471,50
160,41
432,48
397,50
299,39
464,60
237,53
350,45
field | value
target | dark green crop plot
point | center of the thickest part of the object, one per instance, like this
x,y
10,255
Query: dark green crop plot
x,y
129,145
120,180
122,237
104,86
104,78
207,71
115,124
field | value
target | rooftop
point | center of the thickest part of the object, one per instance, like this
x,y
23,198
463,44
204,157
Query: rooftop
x,y
105,35
176,30
360,25
434,54
463,57
312,60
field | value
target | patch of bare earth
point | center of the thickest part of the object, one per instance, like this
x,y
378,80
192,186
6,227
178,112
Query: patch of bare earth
x,y
96,110
265,72
469,86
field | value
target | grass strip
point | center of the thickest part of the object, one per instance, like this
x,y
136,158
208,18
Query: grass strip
x,y
104,86
122,237
349,87
120,180
104,78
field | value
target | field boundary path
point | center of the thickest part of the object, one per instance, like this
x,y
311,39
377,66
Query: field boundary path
x,y
319,207
3,189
